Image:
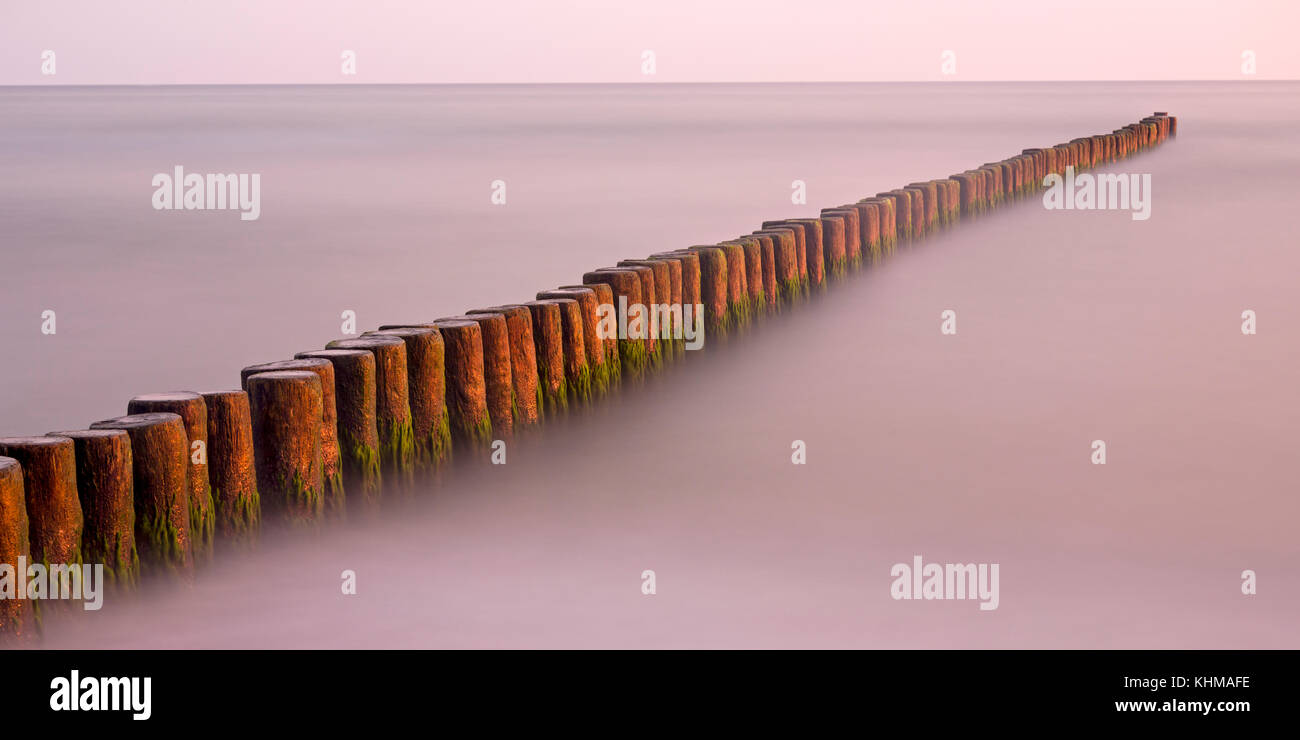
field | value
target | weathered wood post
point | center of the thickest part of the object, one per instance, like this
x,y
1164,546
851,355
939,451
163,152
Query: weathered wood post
x,y
392,403
789,285
594,346
235,500
658,307
800,248
426,390
286,408
714,292
331,454
527,392
194,413
160,464
835,245
467,402
852,233
692,303
625,287
577,372
17,616
355,398
649,300
106,492
548,340
53,508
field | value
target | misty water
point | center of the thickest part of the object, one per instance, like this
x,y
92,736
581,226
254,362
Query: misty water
x,y
1073,326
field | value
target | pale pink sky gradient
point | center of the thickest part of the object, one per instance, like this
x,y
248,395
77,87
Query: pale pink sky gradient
x,y
526,41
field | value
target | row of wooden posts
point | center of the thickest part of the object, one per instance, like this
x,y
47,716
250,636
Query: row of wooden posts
x,y
160,489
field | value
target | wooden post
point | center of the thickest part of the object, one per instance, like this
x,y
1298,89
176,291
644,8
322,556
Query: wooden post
x,y
625,287
789,285
548,337
392,403
355,396
236,503
672,300
331,455
160,475
286,420
107,495
661,325
852,233
835,245
649,299
426,389
467,404
50,479
194,413
800,248
588,305
714,292
17,617
527,394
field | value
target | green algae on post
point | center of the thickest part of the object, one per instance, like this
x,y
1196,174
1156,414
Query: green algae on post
x,y
331,452
762,286
236,503
502,404
917,199
107,495
714,289
901,214
800,247
548,338
286,414
813,252
887,209
687,291
740,305
852,233
594,346
785,264
625,290
526,395
662,325
426,389
392,403
870,223
194,412
358,429
607,346
835,245
467,402
576,368
752,259
159,472
930,204
650,335
738,302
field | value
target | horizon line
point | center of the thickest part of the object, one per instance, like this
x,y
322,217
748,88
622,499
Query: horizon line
x,y
627,83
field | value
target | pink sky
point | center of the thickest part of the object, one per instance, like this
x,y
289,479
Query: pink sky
x,y
503,41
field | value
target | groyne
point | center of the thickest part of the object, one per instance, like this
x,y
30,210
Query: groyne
x,y
166,488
